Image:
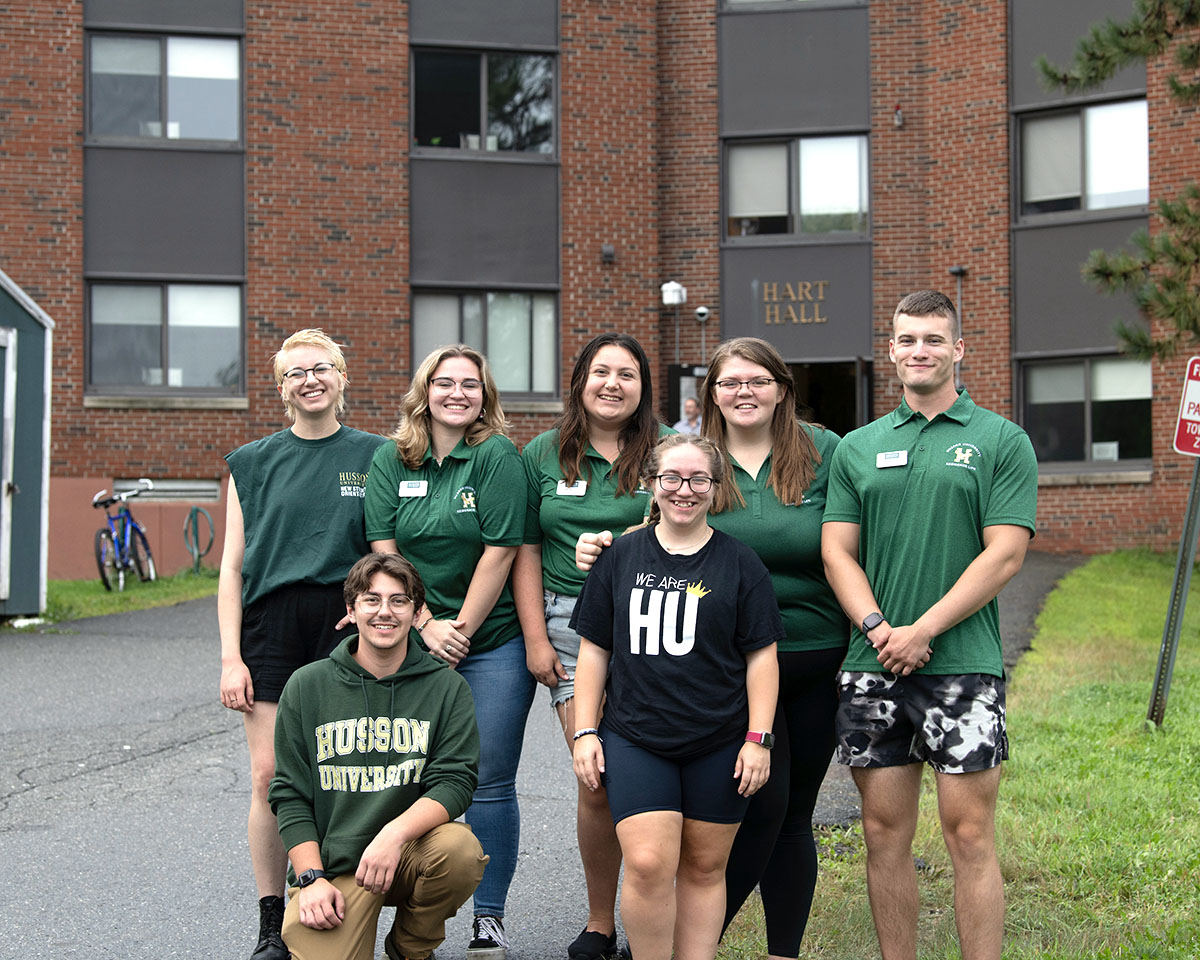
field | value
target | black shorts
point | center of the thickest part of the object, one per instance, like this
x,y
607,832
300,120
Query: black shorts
x,y
288,628
955,723
701,788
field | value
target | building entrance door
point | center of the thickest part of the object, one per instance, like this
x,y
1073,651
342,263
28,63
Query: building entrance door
x,y
835,394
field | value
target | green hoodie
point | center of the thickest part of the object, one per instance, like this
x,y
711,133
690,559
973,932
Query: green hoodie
x,y
353,752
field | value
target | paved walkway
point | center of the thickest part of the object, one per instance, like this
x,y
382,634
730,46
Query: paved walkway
x,y
124,786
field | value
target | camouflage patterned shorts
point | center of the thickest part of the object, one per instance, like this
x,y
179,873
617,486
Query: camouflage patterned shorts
x,y
953,723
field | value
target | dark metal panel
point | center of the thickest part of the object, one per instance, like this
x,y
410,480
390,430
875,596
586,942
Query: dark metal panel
x,y
513,23
794,70
166,14
484,222
1055,309
25,570
1054,29
813,302
170,212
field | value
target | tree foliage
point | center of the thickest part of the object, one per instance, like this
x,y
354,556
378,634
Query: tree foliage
x,y
1162,273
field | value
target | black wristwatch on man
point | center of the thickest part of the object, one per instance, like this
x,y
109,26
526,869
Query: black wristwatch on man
x,y
311,876
870,622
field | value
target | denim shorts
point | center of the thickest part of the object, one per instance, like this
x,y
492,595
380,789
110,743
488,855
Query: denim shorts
x,y
565,642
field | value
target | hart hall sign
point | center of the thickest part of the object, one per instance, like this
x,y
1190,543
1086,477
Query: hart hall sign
x,y
801,301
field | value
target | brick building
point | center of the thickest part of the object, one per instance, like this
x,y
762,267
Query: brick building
x,y
182,184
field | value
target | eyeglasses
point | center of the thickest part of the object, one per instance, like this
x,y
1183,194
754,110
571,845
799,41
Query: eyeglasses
x,y
372,603
297,374
756,384
467,386
673,481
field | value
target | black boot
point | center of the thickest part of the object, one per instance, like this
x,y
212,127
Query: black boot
x,y
270,926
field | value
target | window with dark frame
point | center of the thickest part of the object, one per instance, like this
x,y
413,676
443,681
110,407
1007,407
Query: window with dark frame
x,y
183,338
483,101
164,88
806,186
516,330
1094,158
1090,410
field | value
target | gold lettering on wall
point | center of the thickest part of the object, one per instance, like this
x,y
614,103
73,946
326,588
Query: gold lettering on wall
x,y
798,302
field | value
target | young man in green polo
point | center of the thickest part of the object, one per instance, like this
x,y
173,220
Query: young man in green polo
x,y
929,514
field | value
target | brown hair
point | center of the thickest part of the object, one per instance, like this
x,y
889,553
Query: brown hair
x,y
716,463
312,337
637,436
412,432
930,303
794,456
358,580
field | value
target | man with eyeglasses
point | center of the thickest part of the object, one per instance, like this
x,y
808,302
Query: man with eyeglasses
x,y
377,753
294,527
929,514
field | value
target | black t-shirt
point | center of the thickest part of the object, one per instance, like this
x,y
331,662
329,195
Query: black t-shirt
x,y
678,628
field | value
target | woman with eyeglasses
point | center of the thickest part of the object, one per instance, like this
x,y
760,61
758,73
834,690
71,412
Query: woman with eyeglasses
x,y
774,503
584,475
293,529
679,624
448,493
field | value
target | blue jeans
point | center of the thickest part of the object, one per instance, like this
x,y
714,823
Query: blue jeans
x,y
503,690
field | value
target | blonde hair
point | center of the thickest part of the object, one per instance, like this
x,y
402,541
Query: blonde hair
x,y
412,432
794,456
716,463
311,337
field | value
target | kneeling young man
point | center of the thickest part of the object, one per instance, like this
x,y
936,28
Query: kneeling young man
x,y
376,752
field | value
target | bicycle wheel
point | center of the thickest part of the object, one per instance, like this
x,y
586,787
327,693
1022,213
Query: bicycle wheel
x,y
143,562
110,568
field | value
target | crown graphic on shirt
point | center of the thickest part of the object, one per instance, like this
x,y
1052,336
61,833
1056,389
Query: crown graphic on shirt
x,y
697,589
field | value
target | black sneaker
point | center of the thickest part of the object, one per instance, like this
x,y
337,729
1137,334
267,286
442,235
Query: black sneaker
x,y
270,927
593,945
488,941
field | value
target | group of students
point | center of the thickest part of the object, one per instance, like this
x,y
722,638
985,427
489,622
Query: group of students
x,y
669,590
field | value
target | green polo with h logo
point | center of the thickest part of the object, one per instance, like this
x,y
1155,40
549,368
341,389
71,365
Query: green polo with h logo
x,y
922,492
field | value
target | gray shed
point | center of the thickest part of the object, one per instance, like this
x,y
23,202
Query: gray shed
x,y
24,451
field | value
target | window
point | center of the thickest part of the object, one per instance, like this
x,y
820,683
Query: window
x,y
1092,159
483,101
808,186
1097,409
166,337
196,96
518,332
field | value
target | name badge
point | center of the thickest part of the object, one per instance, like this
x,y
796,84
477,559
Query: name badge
x,y
576,489
892,458
414,488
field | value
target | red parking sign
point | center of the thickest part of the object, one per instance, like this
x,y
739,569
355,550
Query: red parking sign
x,y
1187,429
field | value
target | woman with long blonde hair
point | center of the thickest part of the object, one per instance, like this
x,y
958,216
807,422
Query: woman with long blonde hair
x,y
448,493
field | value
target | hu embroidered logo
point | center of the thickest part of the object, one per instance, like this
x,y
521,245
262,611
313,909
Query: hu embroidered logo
x,y
466,497
965,455
468,500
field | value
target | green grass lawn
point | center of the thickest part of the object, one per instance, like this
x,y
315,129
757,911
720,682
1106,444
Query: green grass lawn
x,y
74,599
1098,820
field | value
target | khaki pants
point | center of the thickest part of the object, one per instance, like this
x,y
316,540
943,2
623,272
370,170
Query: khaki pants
x,y
435,876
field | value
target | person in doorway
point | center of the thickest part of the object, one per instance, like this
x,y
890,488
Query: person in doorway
x,y
293,528
691,417
929,514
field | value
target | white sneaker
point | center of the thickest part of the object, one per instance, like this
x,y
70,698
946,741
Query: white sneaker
x,y
489,941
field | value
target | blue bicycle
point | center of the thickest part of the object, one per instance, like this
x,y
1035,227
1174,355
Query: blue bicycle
x,y
122,545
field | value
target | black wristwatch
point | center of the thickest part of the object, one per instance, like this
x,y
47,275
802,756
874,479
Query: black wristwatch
x,y
311,876
766,740
871,621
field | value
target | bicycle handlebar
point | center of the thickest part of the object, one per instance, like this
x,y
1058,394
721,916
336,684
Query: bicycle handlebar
x,y
122,497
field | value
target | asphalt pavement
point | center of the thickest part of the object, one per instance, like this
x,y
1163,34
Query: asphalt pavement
x,y
124,787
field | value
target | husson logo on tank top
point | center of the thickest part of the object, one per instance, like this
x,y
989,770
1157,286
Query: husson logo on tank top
x,y
352,483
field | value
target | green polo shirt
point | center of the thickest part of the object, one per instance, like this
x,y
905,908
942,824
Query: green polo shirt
x,y
556,514
787,538
443,516
922,491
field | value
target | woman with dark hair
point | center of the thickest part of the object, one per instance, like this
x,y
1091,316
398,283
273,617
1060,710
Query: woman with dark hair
x,y
779,468
448,493
583,475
